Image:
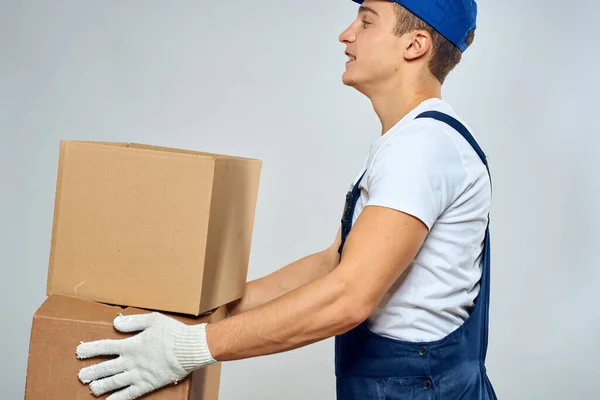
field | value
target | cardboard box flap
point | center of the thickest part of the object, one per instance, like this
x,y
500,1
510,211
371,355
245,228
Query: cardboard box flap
x,y
81,310
64,307
115,144
140,146
120,147
184,151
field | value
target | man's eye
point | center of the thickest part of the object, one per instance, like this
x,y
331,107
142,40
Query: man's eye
x,y
365,23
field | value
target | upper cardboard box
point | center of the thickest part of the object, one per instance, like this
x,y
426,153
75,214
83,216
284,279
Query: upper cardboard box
x,y
152,227
62,322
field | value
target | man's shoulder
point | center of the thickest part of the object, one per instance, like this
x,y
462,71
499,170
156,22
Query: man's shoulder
x,y
424,138
438,136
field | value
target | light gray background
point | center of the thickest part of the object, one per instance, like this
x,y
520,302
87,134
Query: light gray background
x,y
262,79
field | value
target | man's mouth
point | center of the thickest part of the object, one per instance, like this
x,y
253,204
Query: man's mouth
x,y
351,57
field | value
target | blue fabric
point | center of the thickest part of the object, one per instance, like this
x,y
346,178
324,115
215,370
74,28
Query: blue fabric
x,y
374,367
453,19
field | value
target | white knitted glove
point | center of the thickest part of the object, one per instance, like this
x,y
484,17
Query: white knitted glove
x,y
165,352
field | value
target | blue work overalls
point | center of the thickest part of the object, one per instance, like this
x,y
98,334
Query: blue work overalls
x,y
371,366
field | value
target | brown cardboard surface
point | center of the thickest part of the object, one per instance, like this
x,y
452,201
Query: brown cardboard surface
x,y
152,227
62,322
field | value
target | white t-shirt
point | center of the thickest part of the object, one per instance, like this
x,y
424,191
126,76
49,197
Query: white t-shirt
x,y
425,168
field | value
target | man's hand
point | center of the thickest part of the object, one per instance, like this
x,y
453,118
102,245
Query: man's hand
x,y
165,352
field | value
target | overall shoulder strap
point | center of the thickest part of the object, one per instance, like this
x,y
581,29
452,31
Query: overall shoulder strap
x,y
482,303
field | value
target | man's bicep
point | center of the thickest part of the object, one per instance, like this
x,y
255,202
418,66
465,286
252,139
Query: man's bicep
x,y
380,246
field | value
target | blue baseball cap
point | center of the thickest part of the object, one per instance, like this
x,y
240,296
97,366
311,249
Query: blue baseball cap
x,y
453,19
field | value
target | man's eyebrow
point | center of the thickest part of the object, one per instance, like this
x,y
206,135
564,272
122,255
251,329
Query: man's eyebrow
x,y
366,9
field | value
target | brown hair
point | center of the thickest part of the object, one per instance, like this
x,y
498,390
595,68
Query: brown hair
x,y
445,54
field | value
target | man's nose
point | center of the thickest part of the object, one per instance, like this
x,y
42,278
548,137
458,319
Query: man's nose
x,y
347,36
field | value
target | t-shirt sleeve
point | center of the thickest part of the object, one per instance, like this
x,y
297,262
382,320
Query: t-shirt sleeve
x,y
417,172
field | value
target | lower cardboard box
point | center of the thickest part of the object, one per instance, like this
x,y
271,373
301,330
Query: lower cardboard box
x,y
62,322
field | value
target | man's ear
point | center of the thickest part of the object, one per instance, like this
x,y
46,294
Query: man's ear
x,y
418,44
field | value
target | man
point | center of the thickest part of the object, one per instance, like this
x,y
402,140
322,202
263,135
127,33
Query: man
x,y
404,288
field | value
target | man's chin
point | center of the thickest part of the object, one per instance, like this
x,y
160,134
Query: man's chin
x,y
349,80
353,82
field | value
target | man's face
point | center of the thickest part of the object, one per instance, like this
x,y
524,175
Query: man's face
x,y
375,52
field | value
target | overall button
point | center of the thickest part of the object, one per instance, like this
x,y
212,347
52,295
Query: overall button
x,y
427,384
423,351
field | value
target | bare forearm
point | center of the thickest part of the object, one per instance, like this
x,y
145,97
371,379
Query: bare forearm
x,y
318,310
282,281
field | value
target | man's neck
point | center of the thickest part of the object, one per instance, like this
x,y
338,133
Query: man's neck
x,y
393,105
